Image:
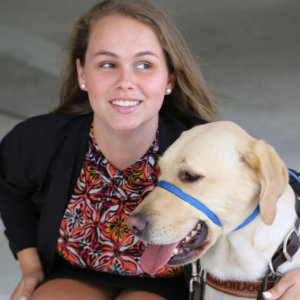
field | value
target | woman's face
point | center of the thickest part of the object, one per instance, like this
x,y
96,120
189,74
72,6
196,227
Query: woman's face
x,y
125,74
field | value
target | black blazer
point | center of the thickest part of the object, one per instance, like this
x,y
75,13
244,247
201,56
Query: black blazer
x,y
40,161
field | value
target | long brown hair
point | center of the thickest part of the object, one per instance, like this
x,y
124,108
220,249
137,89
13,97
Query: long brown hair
x,y
190,93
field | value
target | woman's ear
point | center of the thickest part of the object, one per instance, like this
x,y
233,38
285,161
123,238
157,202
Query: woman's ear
x,y
80,75
171,81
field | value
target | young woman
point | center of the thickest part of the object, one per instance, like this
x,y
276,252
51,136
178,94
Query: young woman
x,y
70,179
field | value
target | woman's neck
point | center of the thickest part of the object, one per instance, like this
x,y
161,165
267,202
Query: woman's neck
x,y
123,148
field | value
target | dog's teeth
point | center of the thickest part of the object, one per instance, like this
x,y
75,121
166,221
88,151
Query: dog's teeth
x,y
187,239
199,226
194,232
175,251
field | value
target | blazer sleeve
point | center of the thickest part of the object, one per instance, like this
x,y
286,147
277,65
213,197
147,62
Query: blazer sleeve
x,y
19,214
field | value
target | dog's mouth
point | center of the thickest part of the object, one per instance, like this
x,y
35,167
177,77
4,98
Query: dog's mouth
x,y
191,246
178,253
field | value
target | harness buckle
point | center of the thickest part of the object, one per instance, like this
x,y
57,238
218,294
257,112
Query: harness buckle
x,y
195,276
271,268
275,274
192,280
198,277
286,240
198,274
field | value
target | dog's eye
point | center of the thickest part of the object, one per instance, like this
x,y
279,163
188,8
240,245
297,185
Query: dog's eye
x,y
188,176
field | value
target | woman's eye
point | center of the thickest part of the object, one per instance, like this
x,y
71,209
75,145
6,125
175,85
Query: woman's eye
x,y
143,65
107,65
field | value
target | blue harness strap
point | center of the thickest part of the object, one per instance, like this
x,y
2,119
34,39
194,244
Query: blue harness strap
x,y
179,193
294,175
249,219
194,202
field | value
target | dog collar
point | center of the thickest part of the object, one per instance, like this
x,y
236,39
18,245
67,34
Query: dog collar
x,y
200,206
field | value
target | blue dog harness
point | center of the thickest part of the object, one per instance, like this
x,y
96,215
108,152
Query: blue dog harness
x,y
192,201
179,193
289,247
200,206
294,175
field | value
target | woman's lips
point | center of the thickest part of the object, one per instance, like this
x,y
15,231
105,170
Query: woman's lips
x,y
125,106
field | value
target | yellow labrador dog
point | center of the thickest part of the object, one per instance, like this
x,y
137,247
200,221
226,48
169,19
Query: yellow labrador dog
x,y
241,208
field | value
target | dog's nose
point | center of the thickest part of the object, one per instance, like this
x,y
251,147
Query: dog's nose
x,y
137,224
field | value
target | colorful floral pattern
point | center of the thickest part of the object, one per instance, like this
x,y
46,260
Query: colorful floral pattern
x,y
93,232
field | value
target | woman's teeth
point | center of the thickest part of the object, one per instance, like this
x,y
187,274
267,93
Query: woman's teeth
x,y
125,103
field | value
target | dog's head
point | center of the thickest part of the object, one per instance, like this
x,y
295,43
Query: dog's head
x,y
226,170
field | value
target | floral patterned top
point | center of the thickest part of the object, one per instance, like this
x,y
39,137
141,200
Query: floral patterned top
x,y
93,232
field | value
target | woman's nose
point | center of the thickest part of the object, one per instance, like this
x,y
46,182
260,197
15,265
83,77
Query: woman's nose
x,y
126,79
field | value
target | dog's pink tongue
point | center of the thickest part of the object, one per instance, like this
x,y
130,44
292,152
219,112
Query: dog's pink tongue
x,y
156,256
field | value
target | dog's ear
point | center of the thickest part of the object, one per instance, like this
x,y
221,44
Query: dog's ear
x,y
272,174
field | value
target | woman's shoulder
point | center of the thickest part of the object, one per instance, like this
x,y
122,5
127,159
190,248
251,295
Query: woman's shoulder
x,y
179,119
172,123
51,125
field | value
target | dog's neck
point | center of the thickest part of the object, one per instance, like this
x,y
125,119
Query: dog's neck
x,y
244,254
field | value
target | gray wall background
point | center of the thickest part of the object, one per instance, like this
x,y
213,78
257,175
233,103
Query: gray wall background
x,y
247,50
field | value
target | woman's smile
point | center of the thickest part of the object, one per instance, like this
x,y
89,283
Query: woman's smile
x,y
125,105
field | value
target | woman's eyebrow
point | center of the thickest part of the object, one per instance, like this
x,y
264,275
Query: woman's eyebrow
x,y
109,53
105,53
143,53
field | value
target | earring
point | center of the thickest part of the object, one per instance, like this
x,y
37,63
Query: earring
x,y
169,91
83,86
